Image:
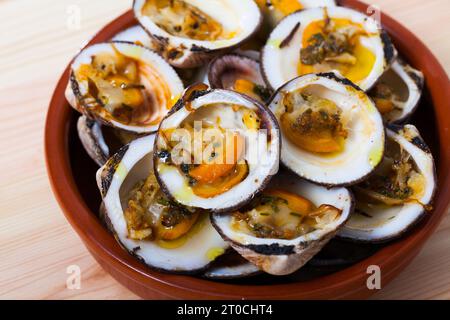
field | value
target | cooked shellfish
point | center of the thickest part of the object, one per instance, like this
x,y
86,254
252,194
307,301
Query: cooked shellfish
x,y
192,32
324,40
398,194
332,132
147,224
216,149
123,85
397,93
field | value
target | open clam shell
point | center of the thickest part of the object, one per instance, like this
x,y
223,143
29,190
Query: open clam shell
x,y
191,253
285,256
123,85
385,215
192,32
296,47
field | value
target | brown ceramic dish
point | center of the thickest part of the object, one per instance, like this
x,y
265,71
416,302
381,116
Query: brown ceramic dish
x,y
71,174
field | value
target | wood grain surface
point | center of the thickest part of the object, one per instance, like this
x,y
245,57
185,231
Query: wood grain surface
x,y
37,40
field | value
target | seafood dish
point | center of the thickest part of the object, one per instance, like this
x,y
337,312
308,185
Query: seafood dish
x,y
240,138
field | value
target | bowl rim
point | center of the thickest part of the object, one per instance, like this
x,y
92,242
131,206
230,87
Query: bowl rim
x,y
346,283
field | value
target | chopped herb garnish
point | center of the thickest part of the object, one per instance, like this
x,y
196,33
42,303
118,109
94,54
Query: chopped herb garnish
x,y
262,91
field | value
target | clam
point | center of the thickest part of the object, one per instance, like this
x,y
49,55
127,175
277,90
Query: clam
x,y
192,32
287,224
240,72
147,224
398,194
332,132
398,91
216,149
123,85
327,39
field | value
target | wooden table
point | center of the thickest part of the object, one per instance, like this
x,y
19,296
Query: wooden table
x,y
37,40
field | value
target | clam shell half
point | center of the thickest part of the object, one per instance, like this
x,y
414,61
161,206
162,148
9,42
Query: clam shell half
x,y
261,150
131,164
281,256
385,223
162,85
239,19
282,53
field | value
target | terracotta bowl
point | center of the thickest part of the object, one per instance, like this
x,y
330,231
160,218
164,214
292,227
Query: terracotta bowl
x,y
72,175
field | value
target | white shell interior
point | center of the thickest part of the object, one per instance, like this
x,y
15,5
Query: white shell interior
x,y
390,222
194,254
280,64
217,104
364,145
